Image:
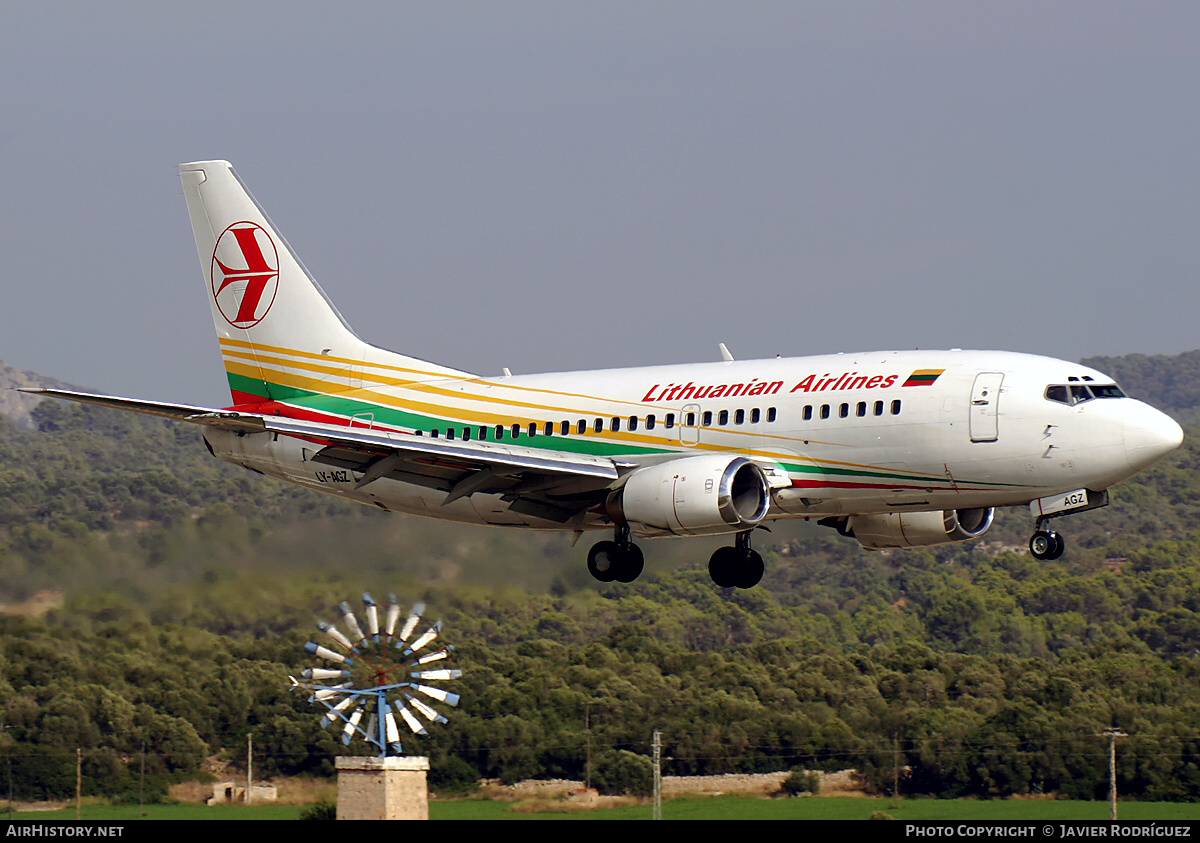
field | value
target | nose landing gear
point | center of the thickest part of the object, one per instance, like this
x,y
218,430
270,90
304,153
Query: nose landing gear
x,y
619,560
1046,544
737,567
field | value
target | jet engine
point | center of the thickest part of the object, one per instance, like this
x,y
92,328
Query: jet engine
x,y
919,529
692,496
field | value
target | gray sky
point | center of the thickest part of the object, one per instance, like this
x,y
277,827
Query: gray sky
x,y
564,185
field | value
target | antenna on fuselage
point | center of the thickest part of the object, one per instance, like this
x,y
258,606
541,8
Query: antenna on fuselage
x,y
725,355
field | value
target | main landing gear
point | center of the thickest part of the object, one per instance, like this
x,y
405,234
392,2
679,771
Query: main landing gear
x,y
619,560
730,567
737,567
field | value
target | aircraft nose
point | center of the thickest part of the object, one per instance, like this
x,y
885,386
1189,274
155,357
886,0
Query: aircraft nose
x,y
1149,436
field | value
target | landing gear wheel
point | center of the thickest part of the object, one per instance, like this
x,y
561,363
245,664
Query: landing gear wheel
x,y
1060,545
603,561
1046,544
620,561
1039,545
631,563
751,570
723,567
736,567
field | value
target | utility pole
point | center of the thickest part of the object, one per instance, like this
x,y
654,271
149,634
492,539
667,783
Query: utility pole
x,y
1112,735
657,744
587,731
249,768
78,781
142,782
895,766
8,755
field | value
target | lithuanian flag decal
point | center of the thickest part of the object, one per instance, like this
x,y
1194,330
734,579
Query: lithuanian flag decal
x,y
923,377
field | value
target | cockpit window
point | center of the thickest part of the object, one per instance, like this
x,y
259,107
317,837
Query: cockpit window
x,y
1077,393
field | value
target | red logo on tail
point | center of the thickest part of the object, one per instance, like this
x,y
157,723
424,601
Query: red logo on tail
x,y
245,274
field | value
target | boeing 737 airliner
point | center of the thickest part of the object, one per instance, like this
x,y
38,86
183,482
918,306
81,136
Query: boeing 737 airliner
x,y
892,448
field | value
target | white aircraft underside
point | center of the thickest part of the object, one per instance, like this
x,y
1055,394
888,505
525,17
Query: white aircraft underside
x,y
896,449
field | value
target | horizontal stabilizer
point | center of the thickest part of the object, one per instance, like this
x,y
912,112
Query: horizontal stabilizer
x,y
224,419
153,408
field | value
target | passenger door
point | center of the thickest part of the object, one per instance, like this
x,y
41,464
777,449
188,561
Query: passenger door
x,y
985,407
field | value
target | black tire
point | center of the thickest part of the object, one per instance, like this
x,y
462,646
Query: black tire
x,y
631,562
1058,545
750,569
604,561
723,567
1041,545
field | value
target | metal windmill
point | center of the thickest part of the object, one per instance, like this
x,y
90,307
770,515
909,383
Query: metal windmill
x,y
380,673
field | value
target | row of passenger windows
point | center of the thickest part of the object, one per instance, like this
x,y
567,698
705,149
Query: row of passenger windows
x,y
723,418
861,409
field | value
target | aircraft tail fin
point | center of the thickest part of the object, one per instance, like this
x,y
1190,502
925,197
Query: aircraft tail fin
x,y
280,336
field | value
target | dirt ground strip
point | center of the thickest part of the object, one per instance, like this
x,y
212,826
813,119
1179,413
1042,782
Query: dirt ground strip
x,y
533,794
765,784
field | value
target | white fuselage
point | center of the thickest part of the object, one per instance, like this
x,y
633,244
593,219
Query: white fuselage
x,y
844,434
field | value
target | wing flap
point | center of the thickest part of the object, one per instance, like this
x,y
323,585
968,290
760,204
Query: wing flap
x,y
465,455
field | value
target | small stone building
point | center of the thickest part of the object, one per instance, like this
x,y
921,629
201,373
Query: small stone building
x,y
229,793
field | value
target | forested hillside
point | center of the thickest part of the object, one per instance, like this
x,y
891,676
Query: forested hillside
x,y
1170,383
189,588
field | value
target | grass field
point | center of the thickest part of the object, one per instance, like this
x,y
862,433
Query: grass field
x,y
715,808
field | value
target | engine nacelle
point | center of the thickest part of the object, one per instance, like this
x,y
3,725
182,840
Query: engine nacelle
x,y
692,496
919,529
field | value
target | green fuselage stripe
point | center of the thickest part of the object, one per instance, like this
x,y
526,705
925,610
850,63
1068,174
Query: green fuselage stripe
x,y
337,405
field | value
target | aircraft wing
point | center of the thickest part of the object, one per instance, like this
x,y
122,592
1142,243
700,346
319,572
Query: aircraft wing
x,y
549,484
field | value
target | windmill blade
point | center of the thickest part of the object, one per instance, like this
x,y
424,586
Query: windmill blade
x,y
336,634
417,727
352,724
393,615
429,635
443,653
414,618
322,674
336,711
314,649
372,617
426,711
435,675
391,727
350,621
437,694
325,693
391,730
